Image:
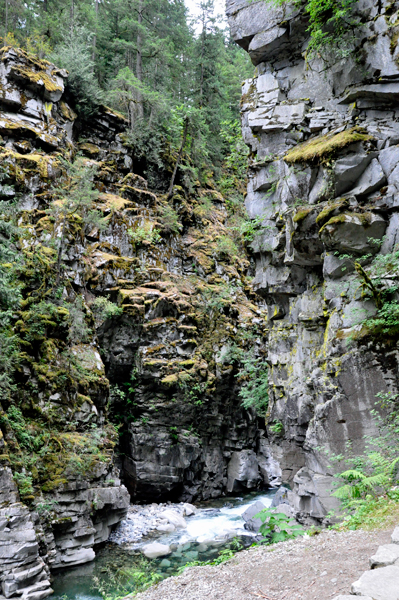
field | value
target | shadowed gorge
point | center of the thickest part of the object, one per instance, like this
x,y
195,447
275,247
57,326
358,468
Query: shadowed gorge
x,y
192,308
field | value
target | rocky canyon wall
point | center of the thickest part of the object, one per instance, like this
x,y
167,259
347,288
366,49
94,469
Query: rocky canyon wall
x,y
157,368
323,132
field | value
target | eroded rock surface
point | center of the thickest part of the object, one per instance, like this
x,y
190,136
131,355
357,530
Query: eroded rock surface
x,y
323,172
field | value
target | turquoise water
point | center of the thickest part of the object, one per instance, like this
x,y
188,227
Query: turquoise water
x,y
208,533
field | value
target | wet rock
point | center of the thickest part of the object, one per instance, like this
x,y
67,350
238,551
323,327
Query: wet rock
x,y
165,563
166,528
174,518
189,509
252,524
155,550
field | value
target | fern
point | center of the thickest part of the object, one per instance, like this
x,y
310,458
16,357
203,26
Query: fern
x,y
374,473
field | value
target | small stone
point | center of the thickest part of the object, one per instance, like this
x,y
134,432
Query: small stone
x,y
165,563
395,536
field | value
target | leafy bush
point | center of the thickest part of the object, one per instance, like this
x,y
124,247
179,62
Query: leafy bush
x,y
277,527
253,376
105,309
329,21
277,428
24,483
144,234
225,247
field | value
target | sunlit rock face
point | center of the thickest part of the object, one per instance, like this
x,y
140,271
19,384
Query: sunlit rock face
x,y
323,133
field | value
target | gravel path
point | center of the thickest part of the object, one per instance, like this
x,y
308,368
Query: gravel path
x,y
318,567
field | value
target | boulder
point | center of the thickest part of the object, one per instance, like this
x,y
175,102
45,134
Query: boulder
x,y
166,528
155,549
282,496
285,509
348,169
252,524
350,233
386,555
380,584
372,179
174,518
189,509
336,267
242,471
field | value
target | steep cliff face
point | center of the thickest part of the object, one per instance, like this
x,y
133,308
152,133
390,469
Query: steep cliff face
x,y
323,135
153,360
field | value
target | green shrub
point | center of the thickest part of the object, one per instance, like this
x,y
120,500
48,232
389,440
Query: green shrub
x,y
277,428
105,309
374,474
144,234
277,527
24,483
253,377
329,22
169,219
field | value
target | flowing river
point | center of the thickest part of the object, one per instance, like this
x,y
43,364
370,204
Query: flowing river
x,y
208,532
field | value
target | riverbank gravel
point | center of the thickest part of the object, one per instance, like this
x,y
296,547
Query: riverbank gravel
x,y
317,567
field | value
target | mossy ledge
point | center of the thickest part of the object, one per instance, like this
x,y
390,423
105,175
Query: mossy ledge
x,y
325,146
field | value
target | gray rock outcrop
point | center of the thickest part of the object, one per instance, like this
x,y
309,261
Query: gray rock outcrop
x,y
323,172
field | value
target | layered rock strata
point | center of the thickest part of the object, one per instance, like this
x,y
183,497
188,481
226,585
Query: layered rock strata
x,y
323,133
70,495
161,366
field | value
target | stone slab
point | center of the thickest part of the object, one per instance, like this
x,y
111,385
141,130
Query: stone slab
x,y
386,555
380,584
395,536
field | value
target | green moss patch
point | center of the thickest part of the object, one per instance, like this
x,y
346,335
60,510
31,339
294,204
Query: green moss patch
x,y
302,213
330,208
326,145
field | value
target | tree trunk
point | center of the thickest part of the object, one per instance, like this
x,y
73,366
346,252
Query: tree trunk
x,y
179,156
139,62
6,24
95,34
45,6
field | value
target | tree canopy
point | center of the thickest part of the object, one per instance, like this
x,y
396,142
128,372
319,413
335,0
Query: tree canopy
x,y
146,59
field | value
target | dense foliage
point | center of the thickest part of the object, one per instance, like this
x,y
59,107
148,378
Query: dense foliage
x,y
145,59
370,480
329,21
